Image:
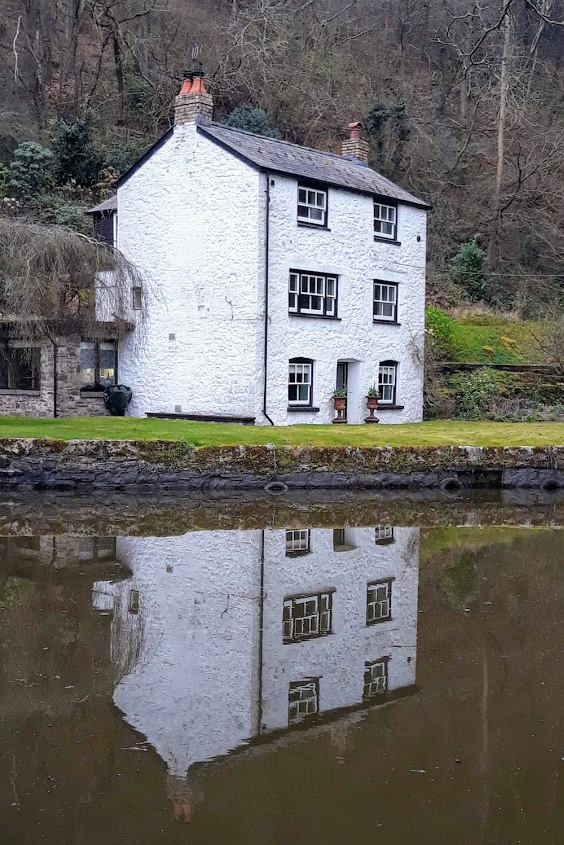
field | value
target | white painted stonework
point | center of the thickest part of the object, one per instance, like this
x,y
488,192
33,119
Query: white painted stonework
x,y
199,677
192,218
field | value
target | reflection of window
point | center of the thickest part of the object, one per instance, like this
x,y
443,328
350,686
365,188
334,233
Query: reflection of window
x,y
313,294
98,364
307,617
375,677
312,206
379,601
19,368
298,542
97,548
384,534
342,540
134,601
303,700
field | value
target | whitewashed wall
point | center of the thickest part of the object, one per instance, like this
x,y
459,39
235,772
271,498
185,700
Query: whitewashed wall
x,y
192,219
193,689
188,661
189,218
348,250
338,659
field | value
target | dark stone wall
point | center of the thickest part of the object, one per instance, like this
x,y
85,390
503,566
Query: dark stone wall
x,y
172,465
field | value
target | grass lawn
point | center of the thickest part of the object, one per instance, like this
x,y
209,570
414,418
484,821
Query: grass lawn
x,y
440,433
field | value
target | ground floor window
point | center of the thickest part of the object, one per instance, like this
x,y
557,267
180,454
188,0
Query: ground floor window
x,y
303,700
383,535
375,678
387,382
298,542
98,364
379,601
300,382
19,368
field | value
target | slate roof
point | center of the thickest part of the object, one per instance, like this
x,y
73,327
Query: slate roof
x,y
283,157
108,205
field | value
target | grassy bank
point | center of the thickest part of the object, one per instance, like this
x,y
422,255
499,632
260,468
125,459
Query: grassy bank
x,y
439,433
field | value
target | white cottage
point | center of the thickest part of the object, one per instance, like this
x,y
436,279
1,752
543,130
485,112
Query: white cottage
x,y
275,273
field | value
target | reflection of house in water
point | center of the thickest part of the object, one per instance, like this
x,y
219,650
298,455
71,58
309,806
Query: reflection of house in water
x,y
241,634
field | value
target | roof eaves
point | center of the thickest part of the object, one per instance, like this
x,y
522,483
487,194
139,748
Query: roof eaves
x,y
141,161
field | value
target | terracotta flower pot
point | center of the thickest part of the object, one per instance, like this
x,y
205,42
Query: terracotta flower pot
x,y
340,403
372,403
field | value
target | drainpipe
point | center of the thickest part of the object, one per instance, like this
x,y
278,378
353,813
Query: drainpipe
x,y
261,634
266,278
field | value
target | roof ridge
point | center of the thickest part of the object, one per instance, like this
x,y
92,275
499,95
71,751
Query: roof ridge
x,y
282,141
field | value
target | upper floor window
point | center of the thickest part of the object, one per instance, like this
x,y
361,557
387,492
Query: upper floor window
x,y
387,382
379,601
300,382
385,221
375,678
312,293
385,302
384,535
19,368
303,700
307,617
298,542
312,205
98,364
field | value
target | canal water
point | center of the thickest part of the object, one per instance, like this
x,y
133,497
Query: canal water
x,y
349,670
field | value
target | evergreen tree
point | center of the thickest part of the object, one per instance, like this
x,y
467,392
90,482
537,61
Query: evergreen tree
x,y
30,173
75,156
251,119
469,270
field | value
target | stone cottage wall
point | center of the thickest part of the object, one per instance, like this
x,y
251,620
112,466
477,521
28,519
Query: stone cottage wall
x,y
71,402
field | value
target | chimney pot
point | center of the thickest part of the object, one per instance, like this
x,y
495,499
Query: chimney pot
x,y
193,102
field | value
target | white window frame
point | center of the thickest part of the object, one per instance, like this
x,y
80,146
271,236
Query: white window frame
x,y
303,369
379,601
310,201
375,678
298,541
314,620
303,286
387,382
385,298
384,534
385,220
303,700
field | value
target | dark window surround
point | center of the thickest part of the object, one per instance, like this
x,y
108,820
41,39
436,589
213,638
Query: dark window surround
x,y
314,186
288,640
368,679
376,319
302,407
298,295
382,405
378,583
20,368
377,235
97,387
385,541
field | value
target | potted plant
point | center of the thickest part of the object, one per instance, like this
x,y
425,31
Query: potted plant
x,y
340,404
372,397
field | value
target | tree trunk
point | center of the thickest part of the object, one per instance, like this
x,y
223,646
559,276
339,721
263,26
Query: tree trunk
x,y
503,92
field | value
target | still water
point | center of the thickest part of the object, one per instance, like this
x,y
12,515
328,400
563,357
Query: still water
x,y
347,672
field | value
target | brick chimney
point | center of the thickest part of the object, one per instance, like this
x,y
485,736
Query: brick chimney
x,y
356,147
193,103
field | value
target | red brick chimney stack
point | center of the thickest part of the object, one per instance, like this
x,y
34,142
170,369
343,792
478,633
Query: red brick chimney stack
x,y
355,146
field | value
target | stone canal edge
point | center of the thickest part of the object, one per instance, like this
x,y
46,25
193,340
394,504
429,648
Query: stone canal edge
x,y
152,464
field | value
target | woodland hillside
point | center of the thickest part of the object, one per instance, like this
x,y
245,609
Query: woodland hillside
x,y
463,103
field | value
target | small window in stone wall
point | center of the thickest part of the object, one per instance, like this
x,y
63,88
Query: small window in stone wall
x,y
20,368
137,296
98,364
